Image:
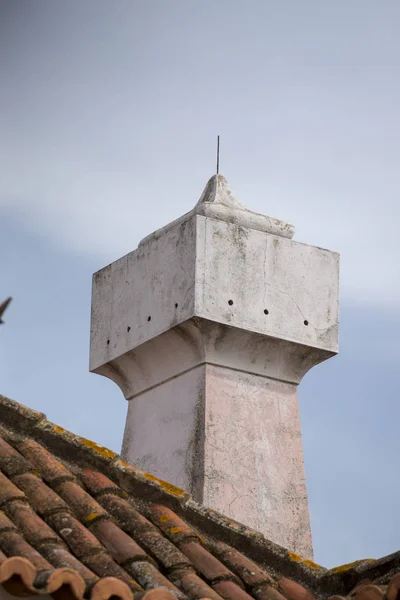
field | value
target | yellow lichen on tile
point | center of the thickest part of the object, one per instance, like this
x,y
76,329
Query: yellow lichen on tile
x,y
104,452
168,487
128,467
175,529
348,566
57,428
304,561
164,518
91,516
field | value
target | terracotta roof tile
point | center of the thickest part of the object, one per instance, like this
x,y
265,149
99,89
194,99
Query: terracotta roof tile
x,y
34,529
231,591
42,498
293,591
192,585
267,592
120,545
393,589
174,527
8,491
246,569
205,563
146,534
76,521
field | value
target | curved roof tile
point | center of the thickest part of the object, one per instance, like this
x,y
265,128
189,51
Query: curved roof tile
x,y
76,519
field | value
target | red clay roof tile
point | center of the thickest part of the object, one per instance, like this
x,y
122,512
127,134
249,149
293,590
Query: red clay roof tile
x,y
205,563
393,589
149,536
78,521
370,592
120,545
42,498
192,585
8,491
231,591
267,592
294,591
246,569
110,587
174,527
34,529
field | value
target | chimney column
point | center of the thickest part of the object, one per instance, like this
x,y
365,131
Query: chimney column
x,y
208,328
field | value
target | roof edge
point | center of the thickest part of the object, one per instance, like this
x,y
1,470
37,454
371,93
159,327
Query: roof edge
x,y
73,448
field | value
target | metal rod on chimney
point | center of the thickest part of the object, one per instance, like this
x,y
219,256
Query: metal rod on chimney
x,y
217,154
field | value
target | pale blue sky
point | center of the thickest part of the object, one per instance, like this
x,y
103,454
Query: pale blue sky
x,y
108,116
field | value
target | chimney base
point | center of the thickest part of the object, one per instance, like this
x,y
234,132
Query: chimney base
x,y
218,416
233,440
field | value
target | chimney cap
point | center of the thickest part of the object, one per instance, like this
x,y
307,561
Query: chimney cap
x,y
219,202
218,190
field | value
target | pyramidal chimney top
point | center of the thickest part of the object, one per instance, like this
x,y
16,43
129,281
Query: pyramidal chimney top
x,y
219,202
208,328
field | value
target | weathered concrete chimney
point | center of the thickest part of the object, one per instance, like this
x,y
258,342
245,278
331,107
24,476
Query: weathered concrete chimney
x,y
208,328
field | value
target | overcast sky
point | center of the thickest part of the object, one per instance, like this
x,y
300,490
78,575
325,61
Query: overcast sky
x,y
109,112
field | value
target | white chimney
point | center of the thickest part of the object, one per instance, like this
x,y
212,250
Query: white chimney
x,y
208,328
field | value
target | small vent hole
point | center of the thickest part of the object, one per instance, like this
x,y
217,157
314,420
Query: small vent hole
x,y
266,311
176,305
306,322
128,329
230,302
108,342
149,318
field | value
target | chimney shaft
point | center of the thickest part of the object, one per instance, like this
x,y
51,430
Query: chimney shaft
x,y
208,328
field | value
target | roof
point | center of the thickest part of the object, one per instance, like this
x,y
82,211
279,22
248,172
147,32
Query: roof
x,y
77,521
